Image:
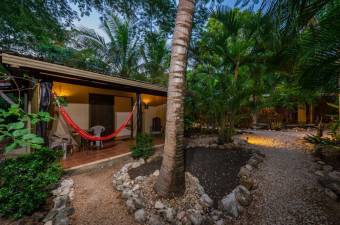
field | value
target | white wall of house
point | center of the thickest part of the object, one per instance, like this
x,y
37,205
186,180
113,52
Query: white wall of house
x,y
152,112
78,108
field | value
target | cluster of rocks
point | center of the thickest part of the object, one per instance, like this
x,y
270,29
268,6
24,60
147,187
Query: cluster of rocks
x,y
199,206
226,146
131,190
211,142
328,153
327,176
233,204
62,209
201,141
329,179
158,212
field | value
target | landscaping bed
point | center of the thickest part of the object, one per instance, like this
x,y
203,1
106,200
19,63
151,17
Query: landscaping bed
x,y
329,154
327,168
213,167
219,186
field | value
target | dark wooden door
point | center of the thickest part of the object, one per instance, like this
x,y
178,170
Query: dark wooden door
x,y
102,111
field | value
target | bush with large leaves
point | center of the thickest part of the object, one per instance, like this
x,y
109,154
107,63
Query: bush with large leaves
x,y
25,182
14,131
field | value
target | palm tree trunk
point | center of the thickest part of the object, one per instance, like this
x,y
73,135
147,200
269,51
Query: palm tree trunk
x,y
254,111
339,95
339,100
236,70
171,179
222,129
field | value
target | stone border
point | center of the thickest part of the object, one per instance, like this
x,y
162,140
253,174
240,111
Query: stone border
x,y
235,202
62,209
232,205
328,178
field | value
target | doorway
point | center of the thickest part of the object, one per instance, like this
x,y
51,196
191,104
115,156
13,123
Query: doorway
x,y
102,111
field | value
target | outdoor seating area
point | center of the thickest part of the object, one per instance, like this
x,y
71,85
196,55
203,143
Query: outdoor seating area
x,y
110,149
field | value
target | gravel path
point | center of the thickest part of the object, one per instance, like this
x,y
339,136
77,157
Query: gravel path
x,y
96,202
288,192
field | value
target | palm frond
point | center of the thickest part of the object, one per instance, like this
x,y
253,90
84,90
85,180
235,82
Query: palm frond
x,y
88,38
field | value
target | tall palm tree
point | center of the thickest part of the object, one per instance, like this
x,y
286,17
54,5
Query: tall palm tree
x,y
319,52
120,52
230,46
319,58
172,179
234,37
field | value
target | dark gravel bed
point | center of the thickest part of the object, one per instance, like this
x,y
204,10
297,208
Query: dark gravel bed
x,y
333,161
216,169
145,169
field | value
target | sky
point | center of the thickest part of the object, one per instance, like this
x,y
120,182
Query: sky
x,y
93,22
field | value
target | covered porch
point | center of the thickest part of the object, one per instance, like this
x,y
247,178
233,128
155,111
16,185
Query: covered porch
x,y
92,99
110,151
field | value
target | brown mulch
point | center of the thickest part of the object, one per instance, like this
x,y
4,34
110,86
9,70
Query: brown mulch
x,y
216,169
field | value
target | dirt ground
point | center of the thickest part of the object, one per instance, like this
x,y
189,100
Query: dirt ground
x,y
96,202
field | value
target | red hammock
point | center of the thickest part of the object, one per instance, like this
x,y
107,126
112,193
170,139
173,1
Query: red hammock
x,y
88,136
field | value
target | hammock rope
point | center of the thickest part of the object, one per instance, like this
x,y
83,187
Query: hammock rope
x,y
84,133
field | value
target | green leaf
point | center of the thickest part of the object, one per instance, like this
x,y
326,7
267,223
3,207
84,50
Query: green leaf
x,y
21,132
37,140
2,137
44,116
16,126
34,119
11,146
28,136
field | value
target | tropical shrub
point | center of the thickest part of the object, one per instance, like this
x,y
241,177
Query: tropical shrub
x,y
13,128
334,130
143,147
25,181
316,139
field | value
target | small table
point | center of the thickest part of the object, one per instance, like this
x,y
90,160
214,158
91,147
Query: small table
x,y
83,143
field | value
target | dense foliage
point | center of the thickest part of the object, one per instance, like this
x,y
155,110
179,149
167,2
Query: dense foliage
x,y
273,59
144,146
227,75
258,59
13,128
25,182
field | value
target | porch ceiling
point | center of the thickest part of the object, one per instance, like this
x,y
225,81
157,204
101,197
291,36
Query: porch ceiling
x,y
64,73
